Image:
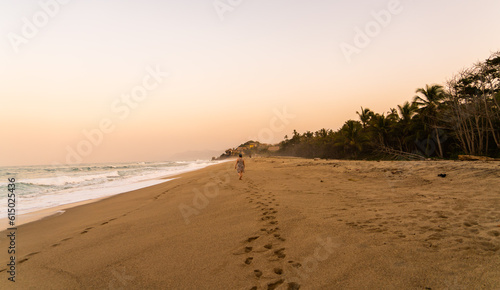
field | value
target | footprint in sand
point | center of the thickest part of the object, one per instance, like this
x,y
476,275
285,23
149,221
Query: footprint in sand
x,y
249,260
274,285
494,233
278,271
280,253
258,273
281,239
293,286
268,218
86,230
251,239
23,260
295,264
243,251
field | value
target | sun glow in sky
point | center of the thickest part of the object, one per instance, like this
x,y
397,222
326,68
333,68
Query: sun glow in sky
x,y
102,81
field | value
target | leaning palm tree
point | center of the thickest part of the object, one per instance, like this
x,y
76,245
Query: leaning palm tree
x,y
428,103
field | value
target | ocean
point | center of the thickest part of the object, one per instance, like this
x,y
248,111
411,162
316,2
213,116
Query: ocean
x,y
42,187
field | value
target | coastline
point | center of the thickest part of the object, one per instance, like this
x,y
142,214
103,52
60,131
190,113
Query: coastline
x,y
102,194
291,222
60,209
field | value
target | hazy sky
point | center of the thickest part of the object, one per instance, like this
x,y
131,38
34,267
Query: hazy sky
x,y
77,66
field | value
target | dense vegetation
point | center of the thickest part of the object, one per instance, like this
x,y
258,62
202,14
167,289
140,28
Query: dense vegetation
x,y
461,117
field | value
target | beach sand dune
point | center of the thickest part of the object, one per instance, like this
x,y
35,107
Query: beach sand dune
x,y
289,224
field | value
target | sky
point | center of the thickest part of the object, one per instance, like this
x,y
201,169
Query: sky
x,y
109,81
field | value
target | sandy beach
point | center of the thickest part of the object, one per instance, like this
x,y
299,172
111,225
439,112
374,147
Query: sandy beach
x,y
289,224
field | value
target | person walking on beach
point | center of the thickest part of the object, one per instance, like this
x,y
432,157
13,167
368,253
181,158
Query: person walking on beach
x,y
240,166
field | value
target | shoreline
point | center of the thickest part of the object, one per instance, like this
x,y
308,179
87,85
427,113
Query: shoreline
x,y
290,222
46,212
60,209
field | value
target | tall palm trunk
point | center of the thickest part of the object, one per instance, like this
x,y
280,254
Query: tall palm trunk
x,y
438,140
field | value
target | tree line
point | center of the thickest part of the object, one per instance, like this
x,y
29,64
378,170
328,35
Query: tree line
x,y
443,121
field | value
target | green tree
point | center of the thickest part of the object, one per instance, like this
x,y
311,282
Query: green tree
x,y
406,126
428,102
351,138
365,116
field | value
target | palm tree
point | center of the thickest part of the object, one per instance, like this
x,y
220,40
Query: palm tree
x,y
381,126
365,116
428,106
351,137
405,124
407,111
392,115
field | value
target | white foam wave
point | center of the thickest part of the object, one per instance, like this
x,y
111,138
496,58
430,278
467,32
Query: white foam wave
x,y
54,191
65,179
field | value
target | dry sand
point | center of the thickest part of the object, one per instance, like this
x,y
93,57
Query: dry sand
x,y
290,223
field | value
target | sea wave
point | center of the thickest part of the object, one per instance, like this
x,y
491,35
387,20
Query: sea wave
x,y
40,187
65,179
